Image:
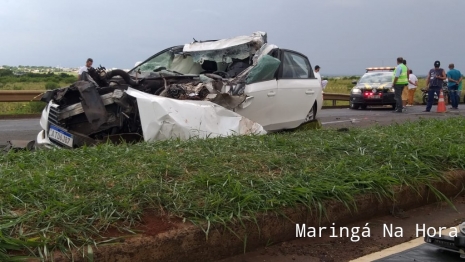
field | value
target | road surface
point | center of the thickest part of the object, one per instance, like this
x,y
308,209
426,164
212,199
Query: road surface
x,y
27,129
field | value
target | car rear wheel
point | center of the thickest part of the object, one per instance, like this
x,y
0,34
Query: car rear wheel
x,y
353,106
363,107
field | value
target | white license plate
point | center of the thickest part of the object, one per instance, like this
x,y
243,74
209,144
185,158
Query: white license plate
x,y
60,135
373,97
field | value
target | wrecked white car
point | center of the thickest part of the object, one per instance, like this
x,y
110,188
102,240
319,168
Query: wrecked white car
x,y
241,85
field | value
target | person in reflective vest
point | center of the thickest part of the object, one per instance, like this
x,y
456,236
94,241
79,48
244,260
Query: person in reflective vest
x,y
399,81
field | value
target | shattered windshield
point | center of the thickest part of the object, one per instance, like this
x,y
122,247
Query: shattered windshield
x,y
172,60
163,60
376,78
227,56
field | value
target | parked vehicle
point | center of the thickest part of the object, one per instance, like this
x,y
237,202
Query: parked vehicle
x,y
445,91
373,88
239,85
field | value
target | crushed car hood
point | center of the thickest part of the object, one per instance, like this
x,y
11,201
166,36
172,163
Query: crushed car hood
x,y
165,118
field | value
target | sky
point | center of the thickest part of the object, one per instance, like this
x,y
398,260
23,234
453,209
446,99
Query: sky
x,y
343,37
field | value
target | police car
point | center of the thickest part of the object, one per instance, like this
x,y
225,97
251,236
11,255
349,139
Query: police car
x,y
373,88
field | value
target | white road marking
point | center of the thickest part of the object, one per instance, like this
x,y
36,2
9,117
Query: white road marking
x,y
341,121
396,249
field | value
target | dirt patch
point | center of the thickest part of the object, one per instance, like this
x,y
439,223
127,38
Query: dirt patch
x,y
170,240
154,224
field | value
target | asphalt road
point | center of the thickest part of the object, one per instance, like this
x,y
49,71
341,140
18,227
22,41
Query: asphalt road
x,y
27,129
378,116
21,129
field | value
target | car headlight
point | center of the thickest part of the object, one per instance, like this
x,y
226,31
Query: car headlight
x,y
356,91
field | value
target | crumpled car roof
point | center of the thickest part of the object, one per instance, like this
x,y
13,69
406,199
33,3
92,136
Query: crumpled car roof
x,y
239,47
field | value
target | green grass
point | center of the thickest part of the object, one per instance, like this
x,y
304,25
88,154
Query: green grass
x,y
58,199
18,108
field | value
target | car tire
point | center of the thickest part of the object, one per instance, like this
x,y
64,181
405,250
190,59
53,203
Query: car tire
x,y
363,107
393,106
311,114
353,106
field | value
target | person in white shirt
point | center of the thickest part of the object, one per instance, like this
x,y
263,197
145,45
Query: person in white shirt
x,y
412,87
88,65
316,72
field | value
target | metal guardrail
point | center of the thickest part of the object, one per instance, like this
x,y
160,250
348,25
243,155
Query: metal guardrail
x,y
35,95
20,95
335,97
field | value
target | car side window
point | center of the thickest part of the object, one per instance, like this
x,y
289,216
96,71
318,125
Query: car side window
x,y
295,66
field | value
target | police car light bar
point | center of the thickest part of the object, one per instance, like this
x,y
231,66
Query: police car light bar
x,y
380,68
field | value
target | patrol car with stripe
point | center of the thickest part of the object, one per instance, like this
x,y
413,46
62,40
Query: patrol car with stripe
x,y
373,88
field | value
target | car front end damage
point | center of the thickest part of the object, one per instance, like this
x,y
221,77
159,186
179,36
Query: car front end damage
x,y
183,92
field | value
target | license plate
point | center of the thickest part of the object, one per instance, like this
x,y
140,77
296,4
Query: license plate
x,y
60,135
374,97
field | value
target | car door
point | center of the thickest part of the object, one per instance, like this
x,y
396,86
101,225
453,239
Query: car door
x,y
297,90
261,96
260,101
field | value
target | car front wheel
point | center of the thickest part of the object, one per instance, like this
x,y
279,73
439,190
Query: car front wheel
x,y
353,106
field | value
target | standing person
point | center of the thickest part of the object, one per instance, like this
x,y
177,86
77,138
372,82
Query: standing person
x,y
88,65
405,90
316,72
399,81
412,87
454,77
434,81
459,92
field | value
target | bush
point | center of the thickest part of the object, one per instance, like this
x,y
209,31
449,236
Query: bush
x,y
6,72
70,80
51,85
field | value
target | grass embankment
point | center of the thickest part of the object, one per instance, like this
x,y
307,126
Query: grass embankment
x,y
65,198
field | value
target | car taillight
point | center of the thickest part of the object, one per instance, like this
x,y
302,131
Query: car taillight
x,y
372,94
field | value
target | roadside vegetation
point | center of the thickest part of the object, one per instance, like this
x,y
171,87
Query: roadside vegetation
x,y
61,199
30,81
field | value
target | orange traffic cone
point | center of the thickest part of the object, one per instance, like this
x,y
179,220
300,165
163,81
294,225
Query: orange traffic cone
x,y
441,104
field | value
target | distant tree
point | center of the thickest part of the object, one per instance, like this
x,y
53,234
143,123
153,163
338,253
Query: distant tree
x,y
6,72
